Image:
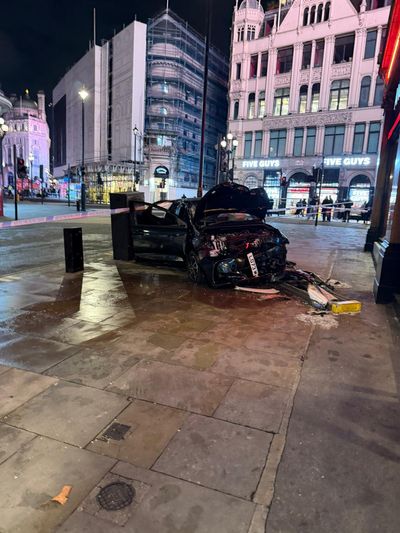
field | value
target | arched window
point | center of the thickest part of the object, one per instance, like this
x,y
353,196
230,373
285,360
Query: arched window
x,y
378,96
312,15
339,95
251,182
327,11
261,104
316,88
319,12
281,101
236,110
305,16
251,106
364,91
303,99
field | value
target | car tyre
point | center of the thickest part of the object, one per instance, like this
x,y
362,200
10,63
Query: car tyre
x,y
194,269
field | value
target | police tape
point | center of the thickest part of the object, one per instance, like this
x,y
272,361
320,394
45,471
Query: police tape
x,y
60,218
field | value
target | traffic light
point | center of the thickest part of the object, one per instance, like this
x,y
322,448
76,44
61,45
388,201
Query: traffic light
x,y
137,177
316,174
41,173
82,172
99,179
21,168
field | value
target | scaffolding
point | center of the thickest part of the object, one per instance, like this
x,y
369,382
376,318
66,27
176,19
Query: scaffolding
x,y
175,77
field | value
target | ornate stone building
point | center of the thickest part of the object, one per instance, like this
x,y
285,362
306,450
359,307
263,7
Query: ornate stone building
x,y
305,93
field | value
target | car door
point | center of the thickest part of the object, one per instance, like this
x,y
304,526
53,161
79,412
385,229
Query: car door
x,y
157,233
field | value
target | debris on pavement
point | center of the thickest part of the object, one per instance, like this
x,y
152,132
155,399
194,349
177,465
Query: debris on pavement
x,y
346,307
335,284
63,495
322,320
257,290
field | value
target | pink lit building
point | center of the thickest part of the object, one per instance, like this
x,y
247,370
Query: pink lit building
x,y
305,90
29,131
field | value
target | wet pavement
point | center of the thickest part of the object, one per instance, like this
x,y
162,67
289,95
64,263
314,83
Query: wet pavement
x,y
232,407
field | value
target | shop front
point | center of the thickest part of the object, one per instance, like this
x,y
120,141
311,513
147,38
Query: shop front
x,y
360,190
272,185
300,187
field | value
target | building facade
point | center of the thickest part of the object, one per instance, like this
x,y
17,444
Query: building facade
x,y
175,80
29,132
305,93
114,76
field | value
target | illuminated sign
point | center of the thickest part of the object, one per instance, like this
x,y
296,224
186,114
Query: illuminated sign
x,y
261,163
347,161
161,172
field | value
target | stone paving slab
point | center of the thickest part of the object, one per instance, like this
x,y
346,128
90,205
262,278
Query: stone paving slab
x,y
4,368
173,505
216,454
255,405
94,367
33,353
151,428
262,366
11,440
36,473
19,386
175,386
68,412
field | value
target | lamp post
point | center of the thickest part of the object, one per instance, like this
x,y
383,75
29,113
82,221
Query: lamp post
x,y
31,159
3,131
321,175
135,134
83,95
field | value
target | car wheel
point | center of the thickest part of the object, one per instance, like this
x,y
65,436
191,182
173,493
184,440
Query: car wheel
x,y
194,270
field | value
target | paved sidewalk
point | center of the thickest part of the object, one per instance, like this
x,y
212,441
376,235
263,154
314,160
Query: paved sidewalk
x,y
202,383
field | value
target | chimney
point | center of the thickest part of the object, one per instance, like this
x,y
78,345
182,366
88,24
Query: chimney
x,y
42,105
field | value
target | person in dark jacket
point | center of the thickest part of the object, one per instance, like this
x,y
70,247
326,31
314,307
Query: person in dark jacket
x,y
348,204
326,211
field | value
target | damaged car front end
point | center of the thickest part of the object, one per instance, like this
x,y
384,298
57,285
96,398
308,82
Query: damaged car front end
x,y
221,237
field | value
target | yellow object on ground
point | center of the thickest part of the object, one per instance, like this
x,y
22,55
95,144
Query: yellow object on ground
x,y
350,306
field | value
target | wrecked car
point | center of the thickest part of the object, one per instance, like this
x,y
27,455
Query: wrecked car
x,y
222,238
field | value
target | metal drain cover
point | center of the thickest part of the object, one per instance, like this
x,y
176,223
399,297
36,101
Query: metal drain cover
x,y
115,432
115,496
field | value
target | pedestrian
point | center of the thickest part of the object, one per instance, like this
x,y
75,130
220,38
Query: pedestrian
x,y
299,208
348,204
304,204
326,211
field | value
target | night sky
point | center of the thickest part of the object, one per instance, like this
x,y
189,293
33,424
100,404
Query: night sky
x,y
40,39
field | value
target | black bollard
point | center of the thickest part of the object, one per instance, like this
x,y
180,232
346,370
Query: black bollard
x,y
73,250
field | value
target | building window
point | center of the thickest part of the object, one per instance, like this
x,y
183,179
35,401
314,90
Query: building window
x,y
373,137
303,99
315,97
306,61
284,60
310,140
370,45
334,138
359,136
251,33
165,87
319,53
238,71
344,48
320,12
236,110
378,96
312,15
240,33
163,111
305,16
277,143
253,66
261,104
264,64
298,141
248,141
364,91
327,11
251,106
258,144
281,101
339,95
376,4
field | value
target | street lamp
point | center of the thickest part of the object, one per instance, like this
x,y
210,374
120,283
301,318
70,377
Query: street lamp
x,y
31,159
135,134
3,131
228,146
83,95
